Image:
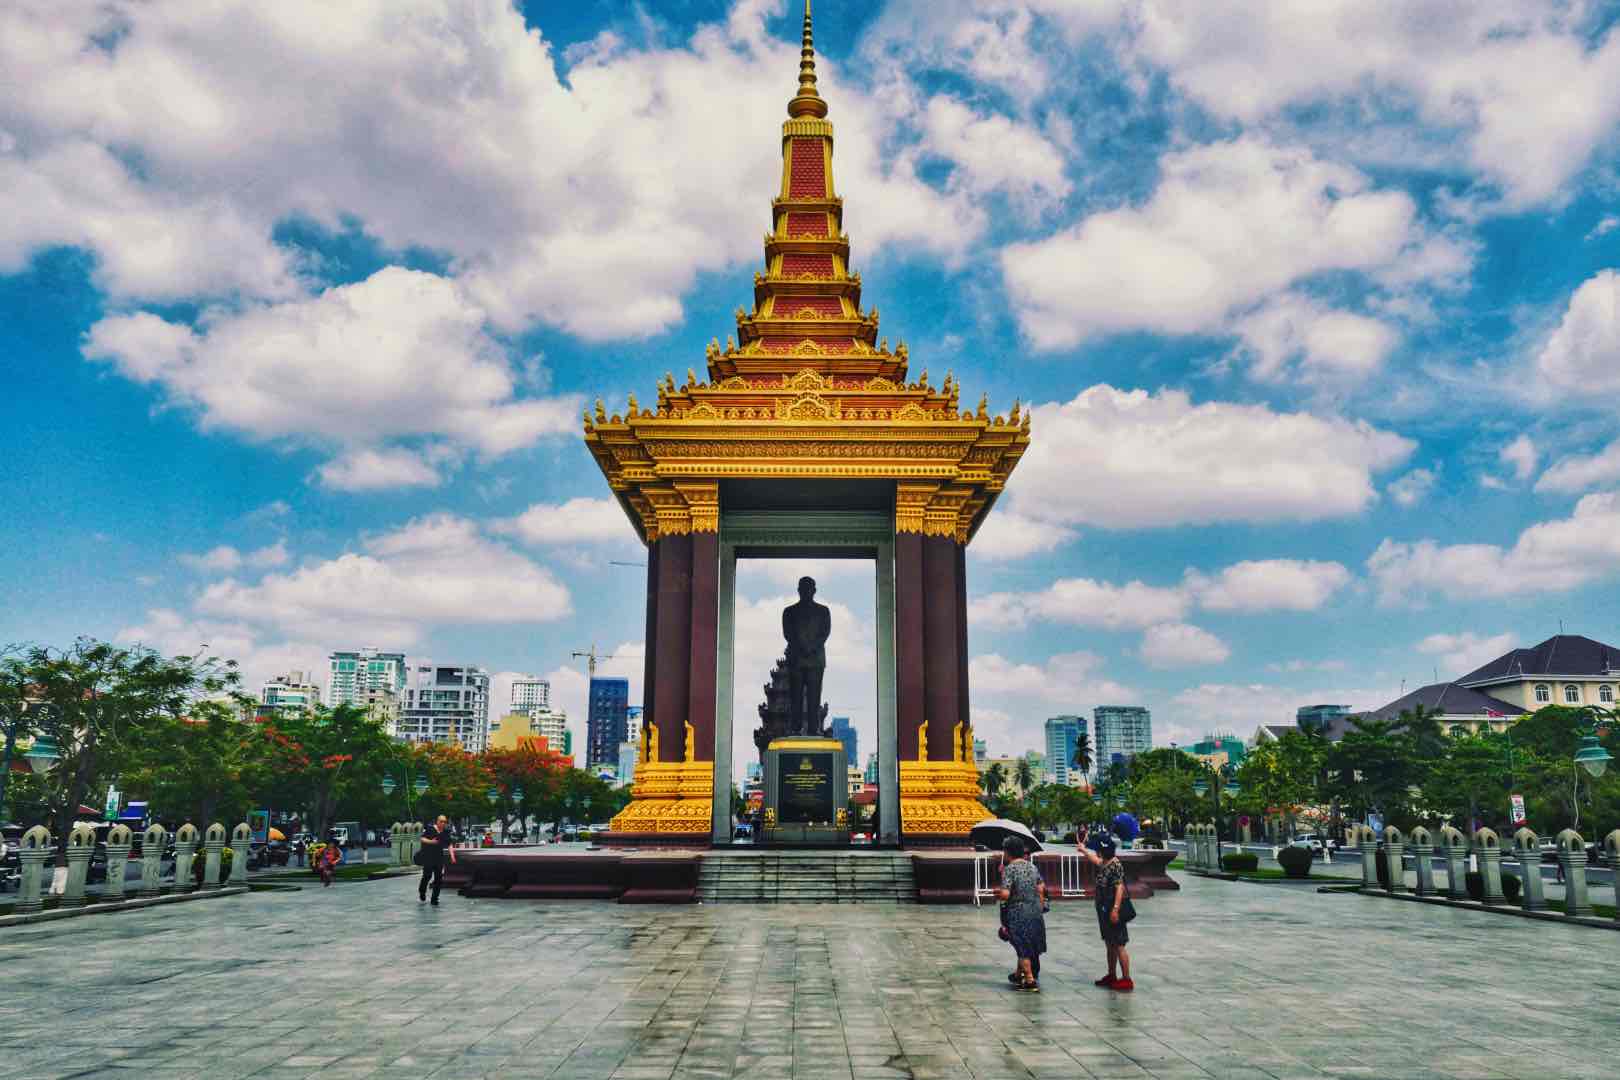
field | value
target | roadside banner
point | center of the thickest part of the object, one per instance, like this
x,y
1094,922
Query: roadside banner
x,y
110,812
1518,808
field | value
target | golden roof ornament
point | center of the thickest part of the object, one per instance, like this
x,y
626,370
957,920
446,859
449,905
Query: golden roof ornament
x,y
807,102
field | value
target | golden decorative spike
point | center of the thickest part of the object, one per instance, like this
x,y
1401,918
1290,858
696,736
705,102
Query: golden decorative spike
x,y
634,409
883,346
601,412
587,419
807,102
691,378
731,345
922,380
984,407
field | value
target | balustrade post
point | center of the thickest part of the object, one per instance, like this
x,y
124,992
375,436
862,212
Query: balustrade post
x,y
185,848
1572,857
213,856
80,846
1611,855
1455,845
241,849
1488,846
1422,845
1532,893
1395,859
1369,856
32,851
118,847
153,842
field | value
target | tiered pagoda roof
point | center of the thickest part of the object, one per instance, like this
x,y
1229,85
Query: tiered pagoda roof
x,y
807,387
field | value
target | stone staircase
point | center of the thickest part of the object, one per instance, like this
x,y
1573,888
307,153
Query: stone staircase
x,y
806,877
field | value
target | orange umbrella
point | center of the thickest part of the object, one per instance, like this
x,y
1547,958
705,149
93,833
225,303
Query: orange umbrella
x,y
277,834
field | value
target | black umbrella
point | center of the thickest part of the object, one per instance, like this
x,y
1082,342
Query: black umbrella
x,y
994,832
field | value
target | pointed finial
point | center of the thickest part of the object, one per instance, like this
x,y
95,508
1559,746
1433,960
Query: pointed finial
x,y
807,102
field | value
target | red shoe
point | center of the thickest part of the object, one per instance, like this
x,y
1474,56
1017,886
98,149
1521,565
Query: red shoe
x,y
1124,986
1105,981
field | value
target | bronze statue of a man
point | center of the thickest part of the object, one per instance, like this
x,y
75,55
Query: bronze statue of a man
x,y
806,626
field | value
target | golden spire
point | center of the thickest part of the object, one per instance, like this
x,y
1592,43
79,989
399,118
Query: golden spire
x,y
807,102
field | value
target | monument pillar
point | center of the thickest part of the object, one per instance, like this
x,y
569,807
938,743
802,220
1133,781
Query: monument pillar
x,y
940,643
911,503
703,500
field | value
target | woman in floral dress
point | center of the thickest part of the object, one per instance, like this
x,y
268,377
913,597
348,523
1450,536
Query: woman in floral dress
x,y
1024,894
1112,913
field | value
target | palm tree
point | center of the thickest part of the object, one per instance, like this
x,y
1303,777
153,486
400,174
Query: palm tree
x,y
1422,726
1024,774
1082,753
993,779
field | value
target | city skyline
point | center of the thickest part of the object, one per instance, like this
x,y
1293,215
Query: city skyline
x,y
1315,410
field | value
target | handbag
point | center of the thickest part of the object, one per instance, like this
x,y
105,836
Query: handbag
x,y
1127,911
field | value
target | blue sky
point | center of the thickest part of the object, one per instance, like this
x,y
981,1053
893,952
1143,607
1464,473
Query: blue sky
x,y
1318,316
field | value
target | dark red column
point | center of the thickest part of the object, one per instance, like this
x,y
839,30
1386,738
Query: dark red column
x,y
908,643
649,672
705,623
962,710
941,642
672,662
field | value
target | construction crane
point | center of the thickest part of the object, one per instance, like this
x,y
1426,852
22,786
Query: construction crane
x,y
591,658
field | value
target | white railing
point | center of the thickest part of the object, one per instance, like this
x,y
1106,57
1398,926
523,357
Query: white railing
x,y
983,876
1069,874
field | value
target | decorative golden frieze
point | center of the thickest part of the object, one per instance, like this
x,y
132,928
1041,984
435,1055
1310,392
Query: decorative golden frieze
x,y
703,504
910,504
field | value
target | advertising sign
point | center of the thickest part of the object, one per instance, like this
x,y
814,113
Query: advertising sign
x,y
1518,808
1375,822
806,787
110,811
259,825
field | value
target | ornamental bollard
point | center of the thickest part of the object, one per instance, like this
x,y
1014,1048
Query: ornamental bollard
x,y
393,844
118,845
416,839
1395,859
241,847
1195,847
1212,846
1368,842
1611,855
185,847
1572,857
214,853
80,846
1455,846
1206,850
1488,846
153,842
32,851
1422,845
1527,846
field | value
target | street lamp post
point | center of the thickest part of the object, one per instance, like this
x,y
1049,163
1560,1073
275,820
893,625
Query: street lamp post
x,y
1592,757
1222,775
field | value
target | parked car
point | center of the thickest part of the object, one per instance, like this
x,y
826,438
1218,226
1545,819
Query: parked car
x,y
1315,842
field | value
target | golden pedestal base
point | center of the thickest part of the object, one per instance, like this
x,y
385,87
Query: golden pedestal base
x,y
669,797
939,798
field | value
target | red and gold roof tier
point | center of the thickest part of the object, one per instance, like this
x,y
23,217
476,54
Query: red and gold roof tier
x,y
807,388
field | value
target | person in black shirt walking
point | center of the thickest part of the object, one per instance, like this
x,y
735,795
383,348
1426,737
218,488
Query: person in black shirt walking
x,y
435,850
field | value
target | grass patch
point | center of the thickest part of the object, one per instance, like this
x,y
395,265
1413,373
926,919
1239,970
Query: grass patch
x,y
1266,874
358,872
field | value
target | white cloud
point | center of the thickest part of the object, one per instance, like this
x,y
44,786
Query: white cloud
x,y
1576,473
366,469
1242,707
1548,556
434,571
1156,459
1173,645
1609,223
402,354
1469,75
993,153
1229,224
1081,602
577,521
1012,698
1007,534
591,205
1413,487
1270,585
1521,456
1460,653
1294,335
1581,359
175,633
225,559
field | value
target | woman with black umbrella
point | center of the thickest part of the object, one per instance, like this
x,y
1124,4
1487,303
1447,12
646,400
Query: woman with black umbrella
x,y
1024,894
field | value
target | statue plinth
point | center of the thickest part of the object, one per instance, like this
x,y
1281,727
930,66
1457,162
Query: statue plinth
x,y
806,793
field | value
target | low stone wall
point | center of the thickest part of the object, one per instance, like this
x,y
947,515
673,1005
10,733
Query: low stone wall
x,y
947,877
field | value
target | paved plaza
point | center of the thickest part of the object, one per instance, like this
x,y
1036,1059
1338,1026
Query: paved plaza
x,y
1234,980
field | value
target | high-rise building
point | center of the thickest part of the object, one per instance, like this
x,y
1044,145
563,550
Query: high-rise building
x,y
1062,736
1120,732
606,721
289,693
1221,748
1319,717
871,769
351,675
979,751
845,732
529,692
632,724
447,703
627,763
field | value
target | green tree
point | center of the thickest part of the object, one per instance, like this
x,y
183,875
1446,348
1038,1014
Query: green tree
x,y
102,703
1470,778
993,779
197,767
1024,776
1373,770
1082,753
